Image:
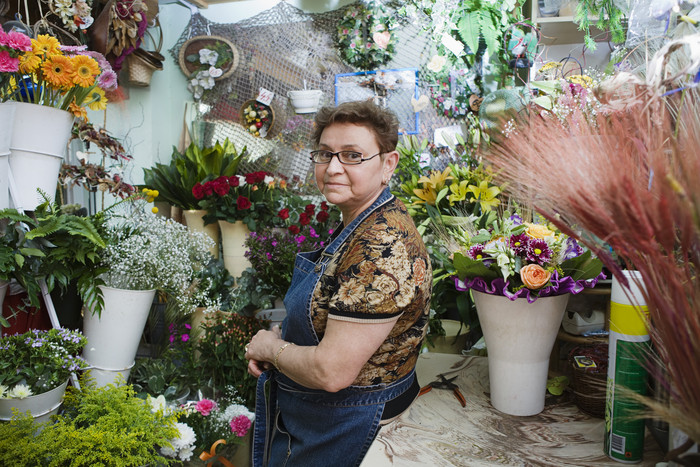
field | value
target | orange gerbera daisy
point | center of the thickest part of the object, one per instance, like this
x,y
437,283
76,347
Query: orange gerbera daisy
x,y
84,70
78,111
58,71
29,62
46,45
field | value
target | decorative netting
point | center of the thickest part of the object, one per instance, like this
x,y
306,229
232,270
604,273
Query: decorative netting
x,y
284,49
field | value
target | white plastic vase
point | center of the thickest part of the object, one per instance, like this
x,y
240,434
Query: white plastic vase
x,y
195,222
38,145
233,235
41,406
113,337
7,118
519,339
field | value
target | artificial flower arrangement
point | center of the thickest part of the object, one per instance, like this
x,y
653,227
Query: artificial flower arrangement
x,y
145,251
38,361
206,423
74,14
365,40
257,118
209,64
42,71
248,198
503,255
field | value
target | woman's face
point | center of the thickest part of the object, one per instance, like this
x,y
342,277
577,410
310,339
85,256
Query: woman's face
x,y
352,188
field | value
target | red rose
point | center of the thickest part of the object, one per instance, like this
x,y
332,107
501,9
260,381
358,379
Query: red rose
x,y
250,178
242,203
309,209
283,214
294,229
208,188
198,191
324,206
221,187
304,218
322,216
233,181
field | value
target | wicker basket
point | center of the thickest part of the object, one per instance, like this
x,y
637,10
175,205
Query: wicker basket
x,y
266,128
589,364
191,48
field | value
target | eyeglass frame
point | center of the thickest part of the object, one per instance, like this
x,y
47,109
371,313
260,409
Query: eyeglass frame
x,y
337,154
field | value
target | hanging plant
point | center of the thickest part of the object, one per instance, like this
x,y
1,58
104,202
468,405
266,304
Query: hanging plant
x,y
365,40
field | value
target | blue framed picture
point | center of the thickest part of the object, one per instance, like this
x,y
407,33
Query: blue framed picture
x,y
392,89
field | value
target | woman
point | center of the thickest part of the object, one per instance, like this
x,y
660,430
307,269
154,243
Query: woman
x,y
357,311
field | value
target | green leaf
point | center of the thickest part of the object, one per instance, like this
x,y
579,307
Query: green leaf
x,y
469,30
470,268
582,267
557,385
490,32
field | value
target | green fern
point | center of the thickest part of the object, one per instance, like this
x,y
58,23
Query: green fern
x,y
609,18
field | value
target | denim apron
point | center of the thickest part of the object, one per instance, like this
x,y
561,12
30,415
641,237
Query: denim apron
x,y
298,426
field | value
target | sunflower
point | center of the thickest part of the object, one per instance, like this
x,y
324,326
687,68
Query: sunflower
x,y
78,111
85,69
29,62
58,71
96,99
46,45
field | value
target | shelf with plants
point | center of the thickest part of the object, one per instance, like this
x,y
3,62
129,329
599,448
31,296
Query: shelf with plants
x,y
561,28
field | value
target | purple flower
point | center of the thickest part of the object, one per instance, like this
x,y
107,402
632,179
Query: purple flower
x,y
573,249
519,243
517,220
538,252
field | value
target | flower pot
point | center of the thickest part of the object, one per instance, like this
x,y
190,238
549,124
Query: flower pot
x,y
451,342
41,406
194,220
7,117
36,161
113,337
305,101
233,235
519,339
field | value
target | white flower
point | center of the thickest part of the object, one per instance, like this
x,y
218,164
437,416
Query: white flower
x,y
241,181
208,56
20,391
3,390
268,179
215,72
183,445
437,63
158,404
503,262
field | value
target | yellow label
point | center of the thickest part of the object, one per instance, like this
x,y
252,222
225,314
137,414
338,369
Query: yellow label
x,y
629,319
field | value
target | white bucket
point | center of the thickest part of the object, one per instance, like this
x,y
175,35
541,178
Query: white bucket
x,y
7,118
33,171
4,182
41,406
233,235
113,337
305,101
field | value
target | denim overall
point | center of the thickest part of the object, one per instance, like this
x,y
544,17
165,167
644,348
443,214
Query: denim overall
x,y
298,426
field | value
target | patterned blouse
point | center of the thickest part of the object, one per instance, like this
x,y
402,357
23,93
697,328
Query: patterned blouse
x,y
381,271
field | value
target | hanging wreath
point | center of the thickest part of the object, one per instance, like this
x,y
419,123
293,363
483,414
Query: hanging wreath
x,y
451,94
365,40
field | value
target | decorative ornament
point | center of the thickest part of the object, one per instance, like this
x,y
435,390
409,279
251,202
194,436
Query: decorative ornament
x,y
257,118
452,93
365,40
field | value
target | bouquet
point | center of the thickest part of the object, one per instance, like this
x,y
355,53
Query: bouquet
x,y
38,361
247,198
507,256
42,71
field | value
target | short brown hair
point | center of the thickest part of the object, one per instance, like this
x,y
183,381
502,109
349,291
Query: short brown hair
x,y
380,121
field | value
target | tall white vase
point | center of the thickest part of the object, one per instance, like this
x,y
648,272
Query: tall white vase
x,y
38,146
519,339
195,222
7,119
233,235
113,337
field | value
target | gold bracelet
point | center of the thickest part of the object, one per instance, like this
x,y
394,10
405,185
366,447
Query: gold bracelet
x,y
277,355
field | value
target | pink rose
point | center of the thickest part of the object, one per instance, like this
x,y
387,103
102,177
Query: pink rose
x,y
534,276
205,406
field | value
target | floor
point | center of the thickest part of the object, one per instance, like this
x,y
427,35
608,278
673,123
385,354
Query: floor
x,y
437,431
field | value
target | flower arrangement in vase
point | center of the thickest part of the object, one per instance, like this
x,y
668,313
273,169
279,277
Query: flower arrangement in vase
x,y
42,71
37,361
503,255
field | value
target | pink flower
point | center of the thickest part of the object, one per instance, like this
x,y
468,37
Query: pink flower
x,y
205,406
185,337
107,80
7,63
3,37
240,425
19,41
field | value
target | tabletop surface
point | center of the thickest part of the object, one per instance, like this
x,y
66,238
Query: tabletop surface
x,y
437,431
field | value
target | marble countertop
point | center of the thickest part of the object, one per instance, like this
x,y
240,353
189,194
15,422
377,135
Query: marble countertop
x,y
437,431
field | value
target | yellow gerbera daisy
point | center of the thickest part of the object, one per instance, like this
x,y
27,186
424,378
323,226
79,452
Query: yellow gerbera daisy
x,y
78,111
58,71
85,69
96,99
29,62
46,45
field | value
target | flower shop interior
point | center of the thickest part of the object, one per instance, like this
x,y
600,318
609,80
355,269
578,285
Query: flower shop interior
x,y
156,186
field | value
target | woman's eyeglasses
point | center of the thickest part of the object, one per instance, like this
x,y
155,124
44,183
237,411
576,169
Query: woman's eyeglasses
x,y
345,157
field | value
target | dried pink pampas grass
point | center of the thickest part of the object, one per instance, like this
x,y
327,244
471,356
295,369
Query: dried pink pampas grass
x,y
629,179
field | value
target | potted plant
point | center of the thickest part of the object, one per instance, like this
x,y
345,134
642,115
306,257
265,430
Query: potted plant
x,y
34,370
104,425
520,274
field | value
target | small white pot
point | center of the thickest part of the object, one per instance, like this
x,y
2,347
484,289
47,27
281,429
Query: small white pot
x,y
305,101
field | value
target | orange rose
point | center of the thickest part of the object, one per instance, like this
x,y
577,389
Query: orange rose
x,y
538,231
534,276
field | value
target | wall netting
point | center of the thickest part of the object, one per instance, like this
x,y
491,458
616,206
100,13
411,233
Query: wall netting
x,y
281,49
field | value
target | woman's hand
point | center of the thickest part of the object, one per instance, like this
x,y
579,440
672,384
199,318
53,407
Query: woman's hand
x,y
260,351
